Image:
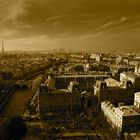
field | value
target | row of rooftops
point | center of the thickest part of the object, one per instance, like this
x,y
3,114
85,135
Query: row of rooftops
x,y
73,86
122,110
132,74
80,76
60,91
108,82
80,73
111,83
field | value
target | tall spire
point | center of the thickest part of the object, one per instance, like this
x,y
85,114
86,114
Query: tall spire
x,y
2,50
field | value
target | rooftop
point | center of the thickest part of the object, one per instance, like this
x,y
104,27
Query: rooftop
x,y
82,75
112,82
132,74
133,136
137,94
123,110
59,91
128,111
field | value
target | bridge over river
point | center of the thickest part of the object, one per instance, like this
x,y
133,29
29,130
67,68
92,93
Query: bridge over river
x,y
24,83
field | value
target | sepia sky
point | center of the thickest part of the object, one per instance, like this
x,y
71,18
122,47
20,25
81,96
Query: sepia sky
x,y
101,25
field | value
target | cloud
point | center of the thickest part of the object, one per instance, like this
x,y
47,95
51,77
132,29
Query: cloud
x,y
113,23
40,42
122,19
49,19
36,21
91,36
32,40
12,10
7,33
106,25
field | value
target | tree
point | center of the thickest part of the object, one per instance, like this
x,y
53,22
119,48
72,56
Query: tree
x,y
3,130
36,83
13,129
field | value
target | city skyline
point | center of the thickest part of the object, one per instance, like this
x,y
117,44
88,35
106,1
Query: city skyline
x,y
77,25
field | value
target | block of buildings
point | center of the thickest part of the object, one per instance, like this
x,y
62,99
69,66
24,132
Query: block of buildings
x,y
117,69
114,92
137,100
137,68
133,77
59,100
86,81
131,136
122,119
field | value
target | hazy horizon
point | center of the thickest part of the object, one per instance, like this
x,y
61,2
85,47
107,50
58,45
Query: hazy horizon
x,y
103,25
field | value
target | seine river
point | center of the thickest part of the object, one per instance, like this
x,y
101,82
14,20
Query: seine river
x,y
16,103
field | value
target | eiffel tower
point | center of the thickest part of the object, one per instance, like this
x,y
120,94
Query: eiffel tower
x,y
2,50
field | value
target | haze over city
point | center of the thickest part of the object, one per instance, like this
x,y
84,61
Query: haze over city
x,y
82,25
